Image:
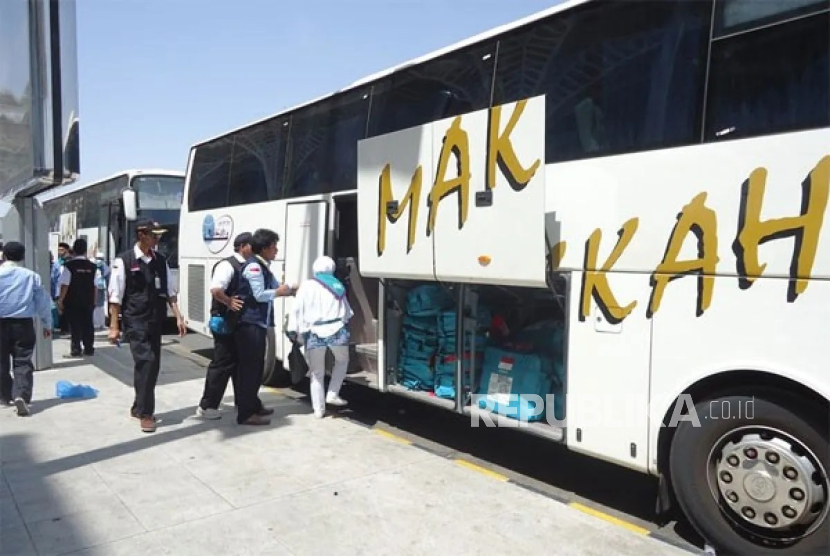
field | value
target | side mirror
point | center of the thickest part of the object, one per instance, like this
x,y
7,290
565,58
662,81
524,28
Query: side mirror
x,y
130,204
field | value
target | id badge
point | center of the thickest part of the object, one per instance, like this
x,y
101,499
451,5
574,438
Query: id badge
x,y
158,283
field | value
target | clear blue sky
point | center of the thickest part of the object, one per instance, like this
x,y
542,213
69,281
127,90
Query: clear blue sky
x,y
157,76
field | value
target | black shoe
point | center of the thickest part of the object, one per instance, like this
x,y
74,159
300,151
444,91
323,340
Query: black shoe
x,y
89,352
22,407
265,411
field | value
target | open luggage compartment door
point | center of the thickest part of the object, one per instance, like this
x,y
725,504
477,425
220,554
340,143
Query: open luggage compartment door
x,y
486,209
393,180
458,200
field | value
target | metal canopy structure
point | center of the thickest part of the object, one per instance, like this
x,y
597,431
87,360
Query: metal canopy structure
x,y
39,120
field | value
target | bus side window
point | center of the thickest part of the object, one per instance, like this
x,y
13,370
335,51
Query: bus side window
x,y
323,145
258,163
210,175
442,88
618,77
771,79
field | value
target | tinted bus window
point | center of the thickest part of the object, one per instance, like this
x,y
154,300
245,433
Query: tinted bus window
x,y
210,174
618,77
770,80
442,88
323,145
258,163
733,16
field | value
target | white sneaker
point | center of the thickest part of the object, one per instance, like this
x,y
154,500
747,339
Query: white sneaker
x,y
208,413
334,399
319,413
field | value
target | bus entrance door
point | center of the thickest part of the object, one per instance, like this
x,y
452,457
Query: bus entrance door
x,y
304,241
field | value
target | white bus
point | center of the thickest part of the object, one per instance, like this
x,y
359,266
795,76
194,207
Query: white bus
x,y
622,202
103,212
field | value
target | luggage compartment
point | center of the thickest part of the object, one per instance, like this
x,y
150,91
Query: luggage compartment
x,y
507,344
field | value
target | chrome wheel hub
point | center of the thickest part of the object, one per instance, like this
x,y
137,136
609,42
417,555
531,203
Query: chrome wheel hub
x,y
770,484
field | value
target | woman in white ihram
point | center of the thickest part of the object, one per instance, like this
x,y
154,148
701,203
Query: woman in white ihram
x,y
319,320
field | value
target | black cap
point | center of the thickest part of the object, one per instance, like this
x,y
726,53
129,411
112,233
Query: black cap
x,y
242,239
149,225
14,251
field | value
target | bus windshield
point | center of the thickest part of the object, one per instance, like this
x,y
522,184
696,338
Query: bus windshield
x,y
168,244
160,198
159,192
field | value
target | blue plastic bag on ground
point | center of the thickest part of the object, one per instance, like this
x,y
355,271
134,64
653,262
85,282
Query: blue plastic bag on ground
x,y
65,389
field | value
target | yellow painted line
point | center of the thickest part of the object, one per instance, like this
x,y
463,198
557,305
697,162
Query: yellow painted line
x,y
482,470
391,436
609,518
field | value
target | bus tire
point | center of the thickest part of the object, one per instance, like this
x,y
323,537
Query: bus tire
x,y
753,507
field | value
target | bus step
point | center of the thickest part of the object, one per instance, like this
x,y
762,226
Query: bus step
x,y
370,350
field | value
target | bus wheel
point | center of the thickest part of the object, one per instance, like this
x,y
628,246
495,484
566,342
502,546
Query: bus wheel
x,y
752,477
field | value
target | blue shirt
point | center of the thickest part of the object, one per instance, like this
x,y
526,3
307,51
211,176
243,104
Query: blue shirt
x,y
262,292
22,295
56,276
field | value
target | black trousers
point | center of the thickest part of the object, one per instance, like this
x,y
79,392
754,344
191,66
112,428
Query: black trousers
x,y
222,368
17,344
251,340
81,328
145,346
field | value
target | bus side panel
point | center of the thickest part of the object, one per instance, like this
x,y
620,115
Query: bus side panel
x,y
608,376
755,329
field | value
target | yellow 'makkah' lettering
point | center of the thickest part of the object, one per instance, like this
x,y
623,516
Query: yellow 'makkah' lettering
x,y
502,153
805,228
455,143
595,282
702,221
557,253
411,199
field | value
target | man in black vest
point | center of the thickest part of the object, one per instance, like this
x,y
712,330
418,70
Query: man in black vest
x,y
225,308
141,287
77,298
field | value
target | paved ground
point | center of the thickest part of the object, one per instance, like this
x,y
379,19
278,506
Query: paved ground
x,y
79,477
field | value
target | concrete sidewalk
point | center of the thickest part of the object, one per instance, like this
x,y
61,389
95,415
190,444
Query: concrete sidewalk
x,y
79,477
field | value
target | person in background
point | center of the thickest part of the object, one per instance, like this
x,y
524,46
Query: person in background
x,y
99,317
227,305
140,289
55,275
319,320
22,297
54,289
77,298
257,288
1,253
63,252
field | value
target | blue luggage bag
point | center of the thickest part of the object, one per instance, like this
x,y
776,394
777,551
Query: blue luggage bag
x,y
507,373
427,300
445,374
